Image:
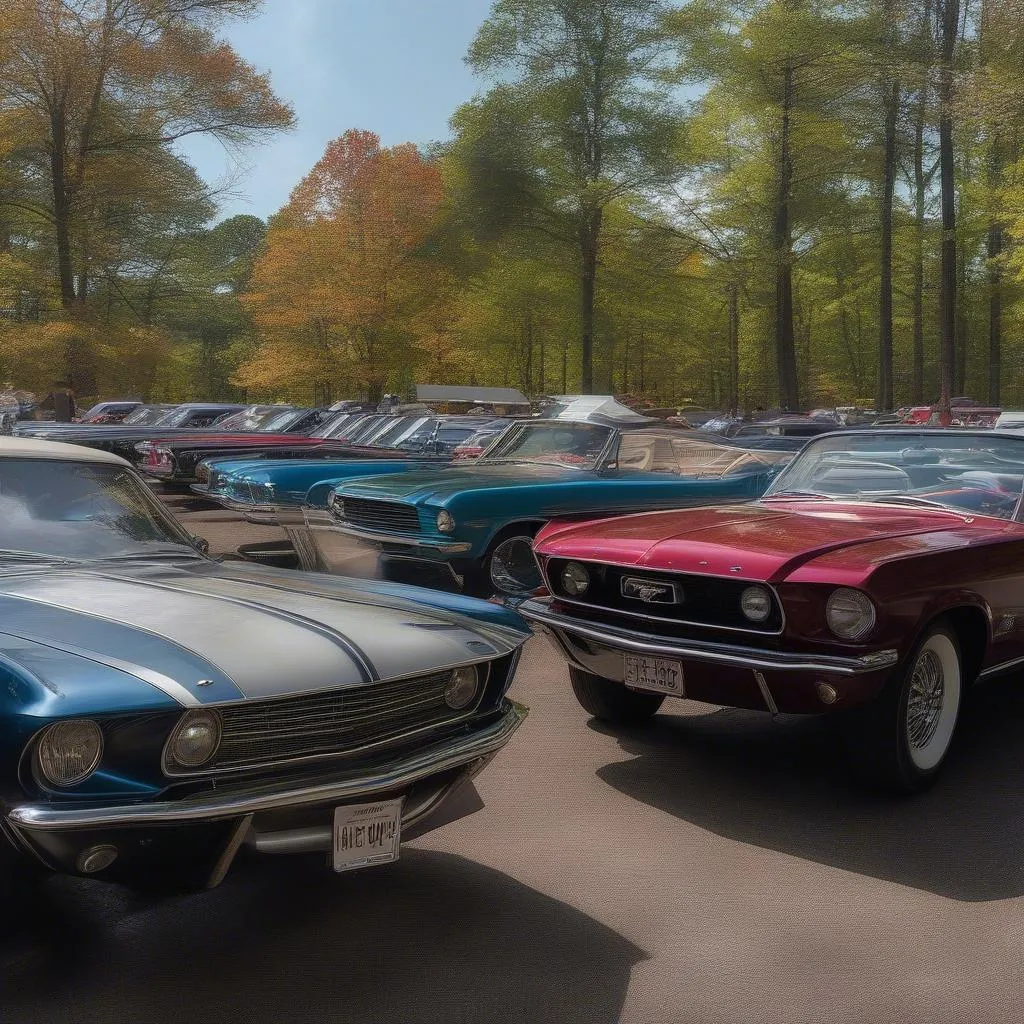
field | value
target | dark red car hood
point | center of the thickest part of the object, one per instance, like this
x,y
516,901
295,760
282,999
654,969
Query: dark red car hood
x,y
770,541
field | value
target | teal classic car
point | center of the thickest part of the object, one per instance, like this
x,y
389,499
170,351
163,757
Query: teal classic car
x,y
469,528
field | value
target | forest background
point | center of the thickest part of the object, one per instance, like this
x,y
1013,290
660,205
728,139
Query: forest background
x,y
769,203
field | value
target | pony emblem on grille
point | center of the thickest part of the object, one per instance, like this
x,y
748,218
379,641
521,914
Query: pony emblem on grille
x,y
651,592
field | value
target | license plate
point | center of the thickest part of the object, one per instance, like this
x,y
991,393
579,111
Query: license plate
x,y
658,675
367,834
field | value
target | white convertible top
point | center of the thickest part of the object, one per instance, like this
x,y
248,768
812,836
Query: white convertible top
x,y
29,448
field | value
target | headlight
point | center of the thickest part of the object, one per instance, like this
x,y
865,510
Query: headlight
x,y
194,741
756,603
445,521
461,690
849,613
336,503
575,579
69,752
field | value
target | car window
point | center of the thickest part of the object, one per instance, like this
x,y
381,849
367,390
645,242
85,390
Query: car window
x,y
81,510
959,471
568,444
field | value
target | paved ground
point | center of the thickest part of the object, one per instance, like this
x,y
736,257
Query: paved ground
x,y
712,867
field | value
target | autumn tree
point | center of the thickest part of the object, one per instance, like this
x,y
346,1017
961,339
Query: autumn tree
x,y
344,292
100,90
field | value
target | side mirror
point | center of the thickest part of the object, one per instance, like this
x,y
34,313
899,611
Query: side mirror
x,y
201,544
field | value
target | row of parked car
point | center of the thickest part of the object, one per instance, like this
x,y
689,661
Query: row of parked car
x,y
160,711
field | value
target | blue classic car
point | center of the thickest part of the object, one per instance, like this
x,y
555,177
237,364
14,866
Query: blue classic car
x,y
470,527
161,711
258,487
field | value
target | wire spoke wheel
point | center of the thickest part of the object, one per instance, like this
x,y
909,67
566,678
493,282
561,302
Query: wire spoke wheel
x,y
932,701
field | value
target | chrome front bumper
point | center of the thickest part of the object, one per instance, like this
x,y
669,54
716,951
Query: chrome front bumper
x,y
734,656
57,835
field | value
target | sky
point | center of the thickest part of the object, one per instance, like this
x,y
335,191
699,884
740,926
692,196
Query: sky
x,y
394,67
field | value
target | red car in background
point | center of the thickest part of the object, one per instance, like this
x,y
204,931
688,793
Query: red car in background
x,y
881,574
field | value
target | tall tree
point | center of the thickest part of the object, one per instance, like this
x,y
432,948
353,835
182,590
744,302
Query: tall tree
x,y
101,88
343,291
582,81
949,35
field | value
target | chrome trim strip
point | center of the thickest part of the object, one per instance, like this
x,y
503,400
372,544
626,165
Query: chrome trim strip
x,y
451,547
171,687
762,685
1004,666
217,805
698,650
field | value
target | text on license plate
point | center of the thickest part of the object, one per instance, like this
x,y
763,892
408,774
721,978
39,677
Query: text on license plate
x,y
660,675
367,834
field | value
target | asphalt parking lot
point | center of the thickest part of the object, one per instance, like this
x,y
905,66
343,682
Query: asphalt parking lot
x,y
714,866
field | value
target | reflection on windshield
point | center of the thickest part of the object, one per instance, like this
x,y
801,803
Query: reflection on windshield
x,y
256,417
81,510
961,472
562,444
147,417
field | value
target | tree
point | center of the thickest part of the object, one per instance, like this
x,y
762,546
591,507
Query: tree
x,y
343,291
100,90
582,112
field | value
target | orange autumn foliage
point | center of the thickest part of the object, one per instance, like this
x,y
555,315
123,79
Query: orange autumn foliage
x,y
344,295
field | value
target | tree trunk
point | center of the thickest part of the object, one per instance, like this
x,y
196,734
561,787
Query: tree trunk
x,y
785,347
995,309
733,401
61,214
920,197
883,394
960,365
947,170
590,234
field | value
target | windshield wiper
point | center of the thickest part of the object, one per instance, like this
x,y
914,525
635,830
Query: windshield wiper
x,y
914,499
801,494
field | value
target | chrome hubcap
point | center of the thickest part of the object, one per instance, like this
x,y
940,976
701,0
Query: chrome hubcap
x,y
924,704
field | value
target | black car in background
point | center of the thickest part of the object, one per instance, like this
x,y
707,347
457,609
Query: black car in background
x,y
121,438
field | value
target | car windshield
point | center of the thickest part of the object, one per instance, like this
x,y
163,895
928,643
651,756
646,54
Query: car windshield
x,y
180,416
974,473
256,418
147,415
332,424
82,510
562,444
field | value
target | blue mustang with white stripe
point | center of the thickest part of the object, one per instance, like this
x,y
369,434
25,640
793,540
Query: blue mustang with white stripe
x,y
160,710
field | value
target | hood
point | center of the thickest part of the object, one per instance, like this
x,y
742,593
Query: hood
x,y
437,485
208,636
765,542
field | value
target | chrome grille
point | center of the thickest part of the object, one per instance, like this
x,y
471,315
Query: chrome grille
x,y
322,724
387,516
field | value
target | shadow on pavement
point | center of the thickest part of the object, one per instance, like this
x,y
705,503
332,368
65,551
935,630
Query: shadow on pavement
x,y
432,938
783,786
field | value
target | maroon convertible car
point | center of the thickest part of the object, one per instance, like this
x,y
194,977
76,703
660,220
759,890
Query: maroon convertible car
x,y
881,573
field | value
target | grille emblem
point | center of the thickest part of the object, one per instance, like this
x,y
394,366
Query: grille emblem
x,y
651,592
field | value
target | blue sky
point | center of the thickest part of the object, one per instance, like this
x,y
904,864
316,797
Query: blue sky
x,y
391,66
